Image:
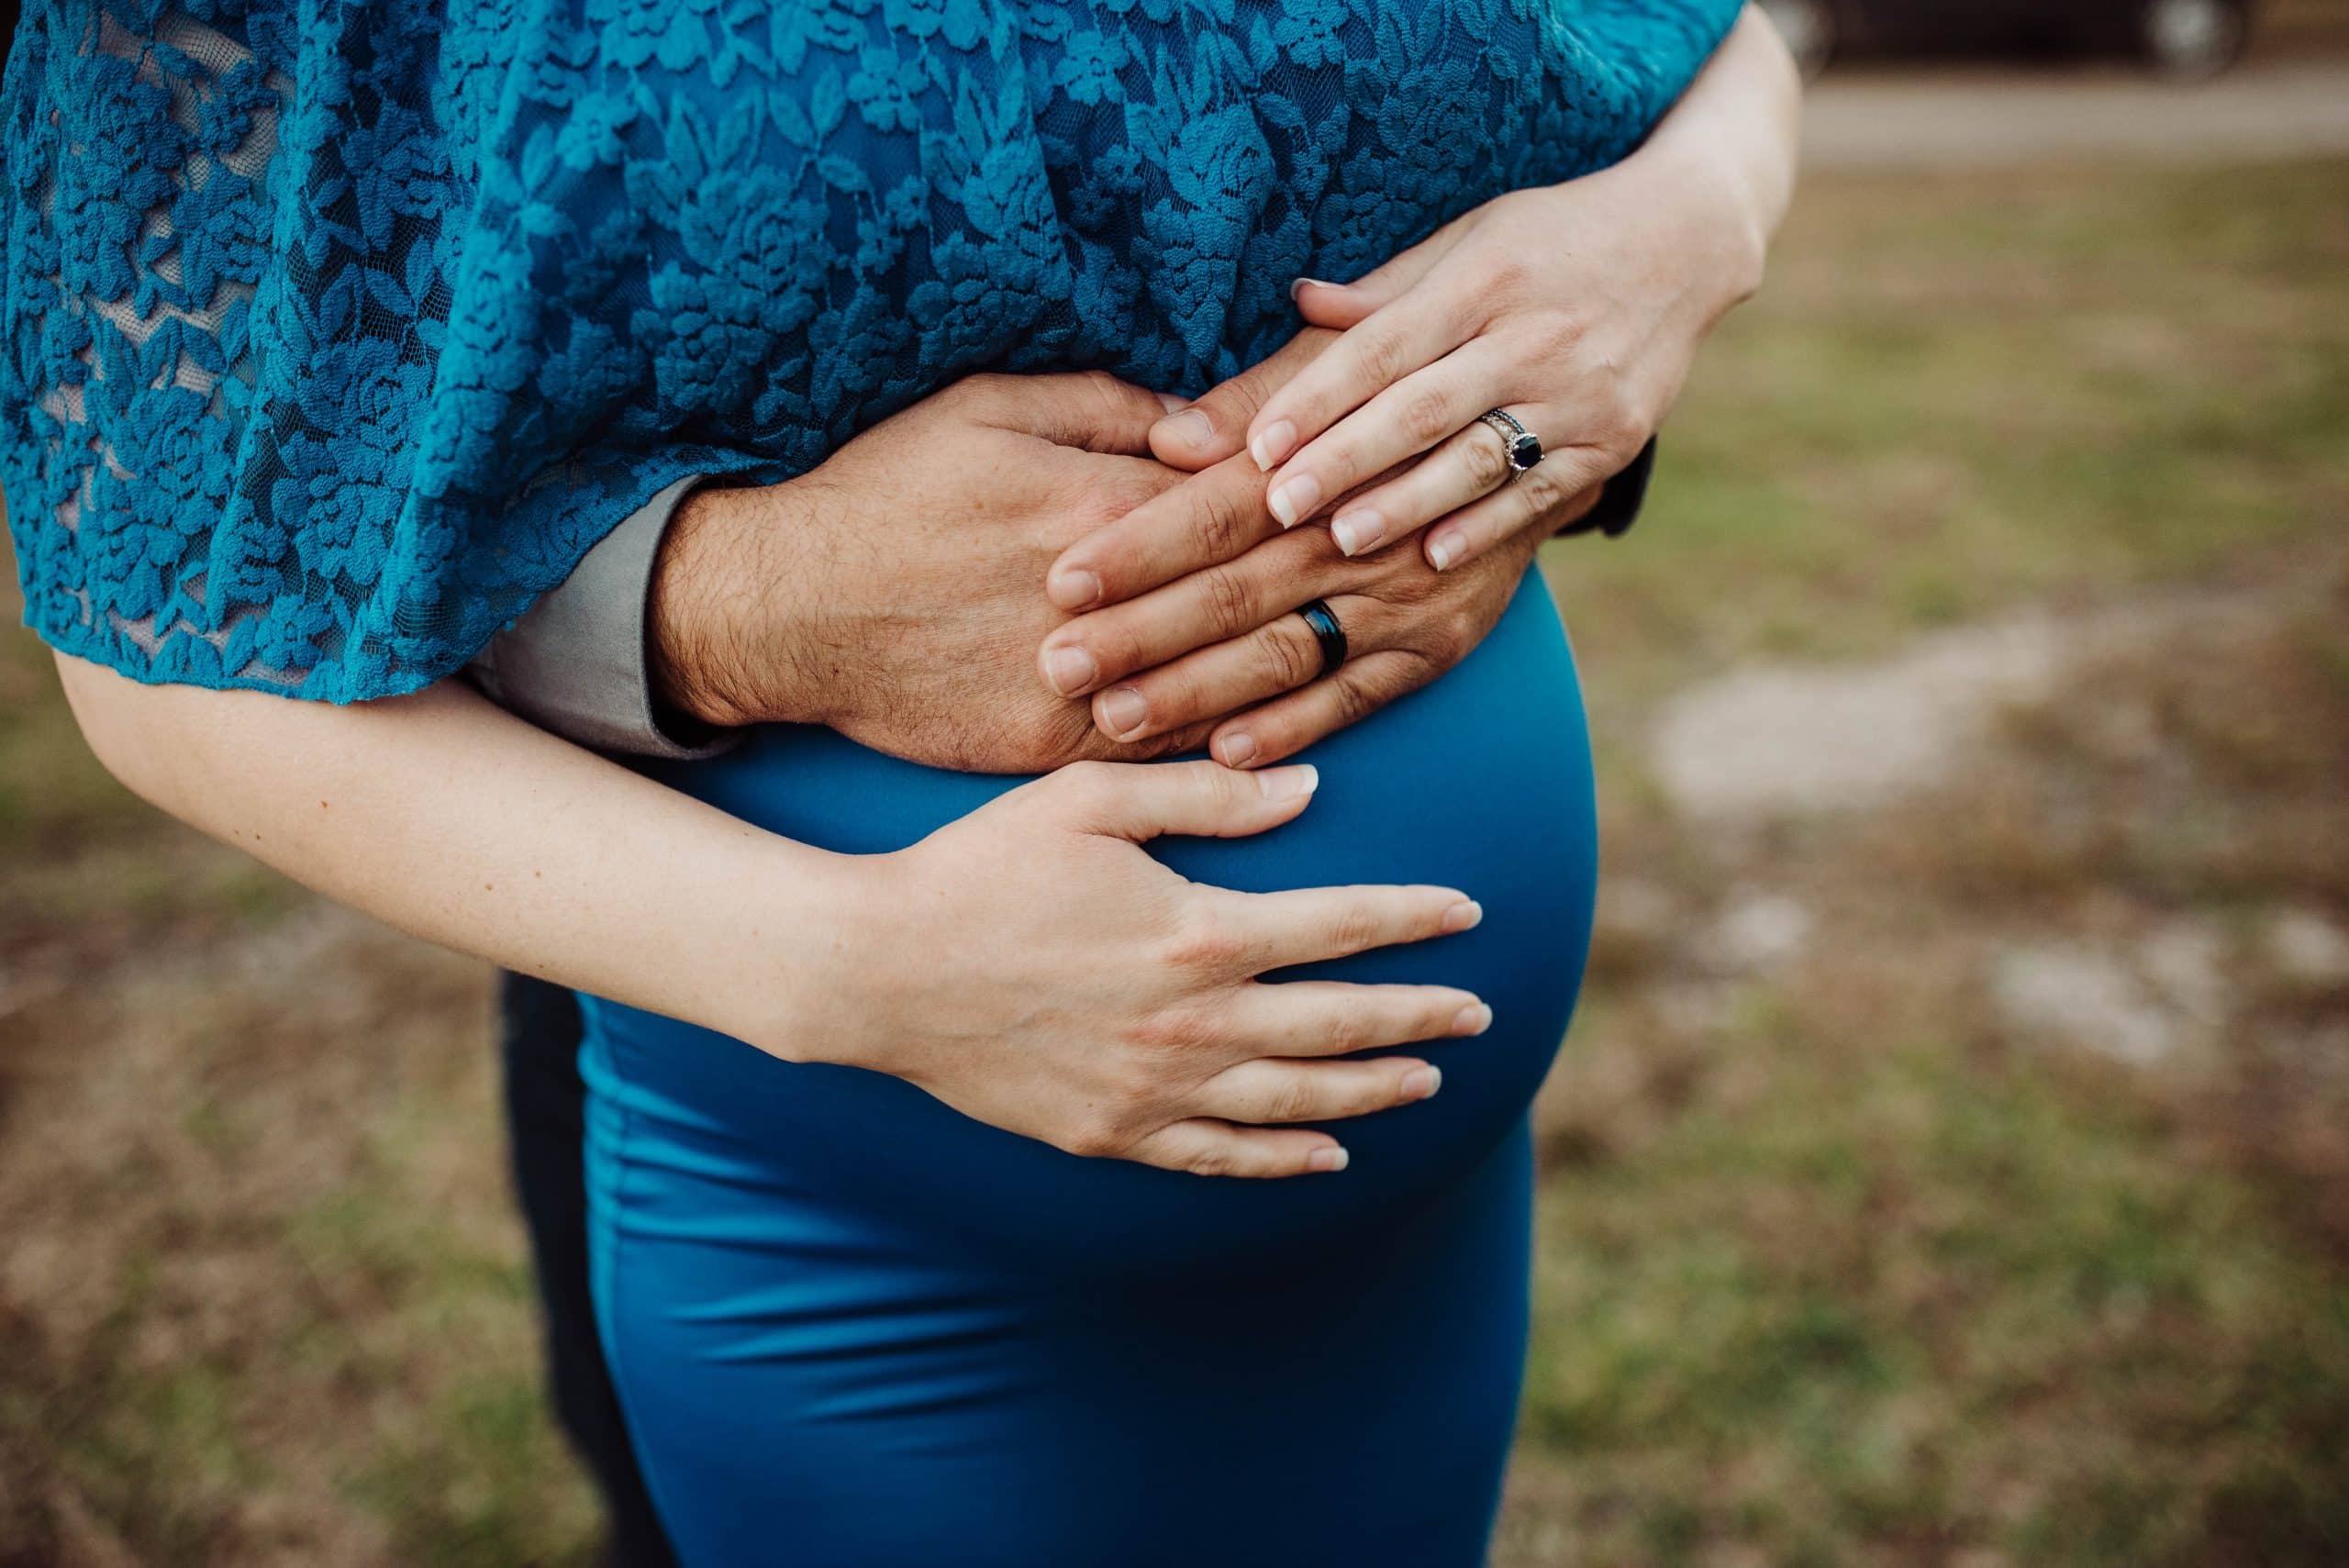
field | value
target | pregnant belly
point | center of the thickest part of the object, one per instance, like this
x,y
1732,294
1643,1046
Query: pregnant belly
x,y
1481,781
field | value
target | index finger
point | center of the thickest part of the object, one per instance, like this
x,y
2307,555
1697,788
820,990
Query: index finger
x,y
1214,515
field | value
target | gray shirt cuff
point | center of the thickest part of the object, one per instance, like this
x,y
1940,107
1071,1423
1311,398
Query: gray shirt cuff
x,y
575,663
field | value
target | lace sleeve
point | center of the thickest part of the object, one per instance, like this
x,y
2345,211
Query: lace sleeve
x,y
235,392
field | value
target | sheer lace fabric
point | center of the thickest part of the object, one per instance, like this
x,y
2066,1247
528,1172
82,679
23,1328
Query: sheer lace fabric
x,y
334,333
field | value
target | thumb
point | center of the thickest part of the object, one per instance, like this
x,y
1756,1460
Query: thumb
x,y
1341,306
1139,801
1215,426
1091,410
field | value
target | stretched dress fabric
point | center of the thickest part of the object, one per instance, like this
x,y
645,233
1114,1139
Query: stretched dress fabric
x,y
336,331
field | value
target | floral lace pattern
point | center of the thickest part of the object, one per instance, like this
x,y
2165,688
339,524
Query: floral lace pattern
x,y
336,332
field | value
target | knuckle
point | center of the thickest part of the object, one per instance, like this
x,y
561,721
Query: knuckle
x,y
1554,338
1355,702
1456,632
1292,1099
1356,926
1093,783
1351,1031
1385,358
1231,604
1488,463
1499,271
1213,1160
1221,525
1094,1138
1204,941
1286,661
1427,415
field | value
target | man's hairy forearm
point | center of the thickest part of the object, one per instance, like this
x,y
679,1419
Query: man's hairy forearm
x,y
446,817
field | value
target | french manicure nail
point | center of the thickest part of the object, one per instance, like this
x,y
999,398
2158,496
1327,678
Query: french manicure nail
x,y
1326,1160
1463,916
1238,750
1288,783
1173,403
1474,1018
1422,1083
1292,498
1356,529
1190,427
1070,669
1303,283
1442,551
1271,449
1075,589
1124,708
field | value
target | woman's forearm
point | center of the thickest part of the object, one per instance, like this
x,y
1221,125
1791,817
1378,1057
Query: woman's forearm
x,y
1737,131
451,820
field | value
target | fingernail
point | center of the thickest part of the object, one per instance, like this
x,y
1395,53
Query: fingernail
x,y
1442,551
1326,1160
1288,783
1070,669
1123,709
1074,589
1293,498
1171,403
1422,1083
1302,284
1473,1019
1356,529
1238,750
1463,916
1190,427
1272,448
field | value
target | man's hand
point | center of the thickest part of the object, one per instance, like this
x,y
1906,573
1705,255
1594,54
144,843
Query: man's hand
x,y
1221,636
895,592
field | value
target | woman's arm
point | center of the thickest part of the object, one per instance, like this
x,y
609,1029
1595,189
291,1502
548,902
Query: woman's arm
x,y
1578,307
1027,965
446,818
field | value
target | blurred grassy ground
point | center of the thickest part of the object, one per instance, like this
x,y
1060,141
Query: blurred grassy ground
x,y
1838,1266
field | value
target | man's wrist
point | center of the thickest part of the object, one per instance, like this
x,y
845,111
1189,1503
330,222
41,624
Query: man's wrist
x,y
726,618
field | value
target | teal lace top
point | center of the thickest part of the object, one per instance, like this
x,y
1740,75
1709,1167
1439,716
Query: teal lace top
x,y
334,331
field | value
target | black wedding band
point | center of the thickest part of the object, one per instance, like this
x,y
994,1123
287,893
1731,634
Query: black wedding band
x,y
1328,633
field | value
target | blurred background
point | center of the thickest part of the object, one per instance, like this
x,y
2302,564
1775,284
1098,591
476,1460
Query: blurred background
x,y
1950,1163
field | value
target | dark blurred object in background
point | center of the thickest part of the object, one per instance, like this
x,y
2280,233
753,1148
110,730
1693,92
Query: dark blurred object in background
x,y
2188,39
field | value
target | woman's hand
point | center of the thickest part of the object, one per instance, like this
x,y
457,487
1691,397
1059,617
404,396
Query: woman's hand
x,y
1577,309
1033,967
1221,636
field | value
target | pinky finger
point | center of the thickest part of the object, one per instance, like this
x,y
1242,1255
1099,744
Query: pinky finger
x,y
1561,488
1207,1148
1288,725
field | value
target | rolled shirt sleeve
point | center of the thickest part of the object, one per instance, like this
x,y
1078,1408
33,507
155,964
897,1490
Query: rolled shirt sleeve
x,y
575,663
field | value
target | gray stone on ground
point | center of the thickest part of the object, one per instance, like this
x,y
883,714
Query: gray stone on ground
x,y
2309,948
2070,996
1787,740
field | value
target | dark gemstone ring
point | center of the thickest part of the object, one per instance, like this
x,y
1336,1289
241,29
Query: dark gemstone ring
x,y
1519,445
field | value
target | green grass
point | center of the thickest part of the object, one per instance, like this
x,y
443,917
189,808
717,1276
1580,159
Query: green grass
x,y
1834,1269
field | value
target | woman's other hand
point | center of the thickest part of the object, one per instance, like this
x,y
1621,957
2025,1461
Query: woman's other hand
x,y
1033,967
1576,309
1221,639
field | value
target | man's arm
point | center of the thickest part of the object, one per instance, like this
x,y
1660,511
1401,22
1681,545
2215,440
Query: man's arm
x,y
578,664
